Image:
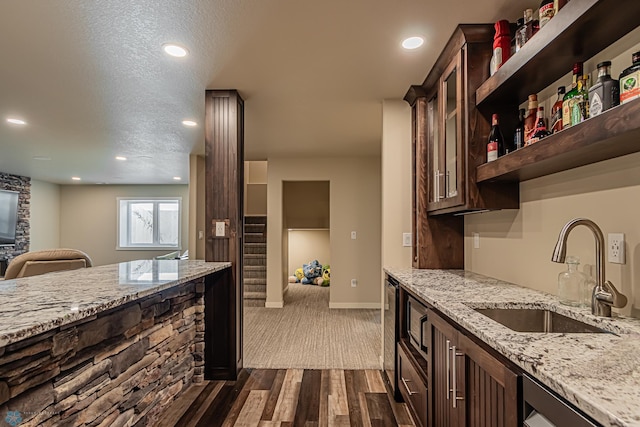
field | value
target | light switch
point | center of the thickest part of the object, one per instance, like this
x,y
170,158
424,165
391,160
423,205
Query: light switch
x,y
353,235
406,239
200,235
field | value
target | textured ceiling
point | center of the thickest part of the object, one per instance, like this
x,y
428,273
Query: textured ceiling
x,y
91,80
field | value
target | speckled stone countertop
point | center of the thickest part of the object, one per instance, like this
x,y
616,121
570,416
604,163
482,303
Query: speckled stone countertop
x,y
599,373
33,305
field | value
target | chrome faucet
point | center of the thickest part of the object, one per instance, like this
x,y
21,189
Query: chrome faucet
x,y
604,295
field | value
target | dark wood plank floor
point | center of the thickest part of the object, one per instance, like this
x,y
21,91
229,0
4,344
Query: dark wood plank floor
x,y
290,397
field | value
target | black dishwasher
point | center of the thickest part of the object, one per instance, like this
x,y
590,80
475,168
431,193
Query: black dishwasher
x,y
544,408
391,334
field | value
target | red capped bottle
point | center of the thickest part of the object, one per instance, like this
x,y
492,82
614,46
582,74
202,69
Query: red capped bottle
x,y
495,146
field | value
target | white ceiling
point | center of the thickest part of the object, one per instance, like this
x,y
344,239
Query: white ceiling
x,y
91,80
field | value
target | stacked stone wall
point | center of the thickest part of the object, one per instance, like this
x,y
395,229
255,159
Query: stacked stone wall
x,y
119,368
22,185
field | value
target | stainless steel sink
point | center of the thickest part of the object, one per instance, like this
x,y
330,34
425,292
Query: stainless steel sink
x,y
537,320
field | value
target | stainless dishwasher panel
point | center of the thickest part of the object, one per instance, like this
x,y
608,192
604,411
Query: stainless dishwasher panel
x,y
543,408
391,334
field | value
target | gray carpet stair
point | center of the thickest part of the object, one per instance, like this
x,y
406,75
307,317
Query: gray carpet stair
x,y
255,261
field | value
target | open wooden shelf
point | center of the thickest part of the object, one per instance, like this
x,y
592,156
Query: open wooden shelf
x,y
580,30
614,133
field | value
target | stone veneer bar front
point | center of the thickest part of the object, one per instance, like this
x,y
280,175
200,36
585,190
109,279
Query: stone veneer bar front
x,y
103,346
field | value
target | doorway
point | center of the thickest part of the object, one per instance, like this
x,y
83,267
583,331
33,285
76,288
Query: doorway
x,y
306,238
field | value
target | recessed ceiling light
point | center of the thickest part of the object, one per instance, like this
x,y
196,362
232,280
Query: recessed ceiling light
x,y
177,178
175,50
43,158
189,123
15,121
412,43
121,158
76,178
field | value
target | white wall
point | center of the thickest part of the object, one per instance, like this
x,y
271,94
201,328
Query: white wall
x,y
516,245
45,215
88,218
307,245
354,206
396,182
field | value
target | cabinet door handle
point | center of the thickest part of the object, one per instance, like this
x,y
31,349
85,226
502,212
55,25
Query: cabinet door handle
x,y
404,381
455,397
436,178
448,370
446,184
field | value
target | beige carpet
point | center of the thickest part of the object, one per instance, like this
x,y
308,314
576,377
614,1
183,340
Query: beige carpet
x,y
306,334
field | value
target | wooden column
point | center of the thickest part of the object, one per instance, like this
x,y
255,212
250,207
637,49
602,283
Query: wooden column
x,y
224,160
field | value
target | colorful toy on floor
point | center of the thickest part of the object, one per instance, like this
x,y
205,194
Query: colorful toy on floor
x,y
312,273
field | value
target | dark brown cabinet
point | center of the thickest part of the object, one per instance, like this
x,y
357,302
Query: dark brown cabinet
x,y
469,386
412,386
449,134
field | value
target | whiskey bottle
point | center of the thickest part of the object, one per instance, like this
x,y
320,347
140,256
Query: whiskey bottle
x,y
605,93
556,112
546,12
567,101
630,80
495,146
518,135
530,120
540,130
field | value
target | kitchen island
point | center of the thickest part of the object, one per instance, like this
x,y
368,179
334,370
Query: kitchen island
x,y
107,345
597,372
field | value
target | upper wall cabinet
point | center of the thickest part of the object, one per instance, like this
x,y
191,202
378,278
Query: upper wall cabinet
x,y
449,134
579,31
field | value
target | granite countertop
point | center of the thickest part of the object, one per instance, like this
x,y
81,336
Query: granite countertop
x,y
599,373
33,305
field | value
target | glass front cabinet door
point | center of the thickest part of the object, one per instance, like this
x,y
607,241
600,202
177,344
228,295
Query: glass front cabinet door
x,y
444,136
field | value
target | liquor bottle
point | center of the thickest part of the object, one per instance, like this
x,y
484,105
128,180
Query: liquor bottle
x,y
556,112
546,11
530,120
519,42
518,135
568,97
559,4
495,146
501,46
630,80
605,93
540,130
580,102
528,29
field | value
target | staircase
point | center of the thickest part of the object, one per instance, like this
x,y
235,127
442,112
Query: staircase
x,y
255,261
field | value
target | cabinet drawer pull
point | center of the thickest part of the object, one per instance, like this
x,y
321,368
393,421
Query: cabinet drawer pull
x,y
454,393
411,393
448,371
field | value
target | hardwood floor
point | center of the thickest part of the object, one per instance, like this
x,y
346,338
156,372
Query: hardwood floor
x,y
290,397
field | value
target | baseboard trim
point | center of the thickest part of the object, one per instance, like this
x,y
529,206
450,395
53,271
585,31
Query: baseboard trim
x,y
367,305
279,304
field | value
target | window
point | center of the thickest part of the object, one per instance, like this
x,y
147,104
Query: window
x,y
149,223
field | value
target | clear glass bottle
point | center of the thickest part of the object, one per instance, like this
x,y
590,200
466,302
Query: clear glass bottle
x,y
571,283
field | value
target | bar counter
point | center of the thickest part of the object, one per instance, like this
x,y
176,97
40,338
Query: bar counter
x,y
107,345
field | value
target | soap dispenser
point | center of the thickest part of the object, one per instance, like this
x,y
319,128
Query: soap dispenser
x,y
572,283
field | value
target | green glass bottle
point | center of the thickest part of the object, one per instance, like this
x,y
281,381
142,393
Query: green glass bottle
x,y
567,100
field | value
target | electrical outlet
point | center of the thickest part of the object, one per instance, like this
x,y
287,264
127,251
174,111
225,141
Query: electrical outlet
x,y
220,229
200,235
354,235
616,248
406,239
476,240
354,283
